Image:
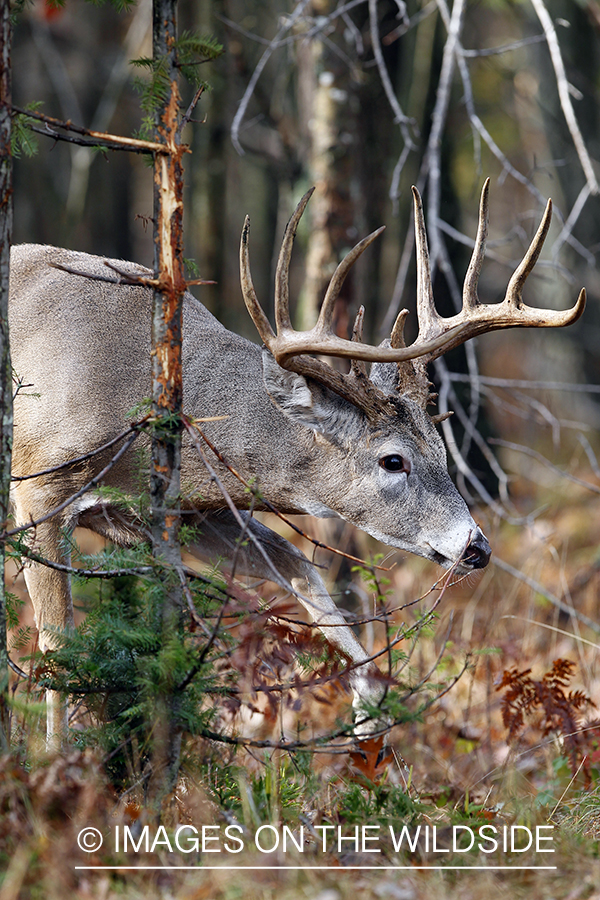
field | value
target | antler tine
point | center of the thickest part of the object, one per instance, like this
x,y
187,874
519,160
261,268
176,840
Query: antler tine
x,y
470,298
427,314
397,337
521,273
436,334
287,343
335,285
261,322
358,366
357,330
476,318
282,292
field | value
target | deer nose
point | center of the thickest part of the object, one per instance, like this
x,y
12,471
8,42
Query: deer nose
x,y
478,552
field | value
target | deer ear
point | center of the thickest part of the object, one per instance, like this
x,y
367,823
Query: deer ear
x,y
291,393
385,375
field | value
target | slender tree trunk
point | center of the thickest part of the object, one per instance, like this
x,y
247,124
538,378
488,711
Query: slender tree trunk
x,y
6,414
327,102
167,383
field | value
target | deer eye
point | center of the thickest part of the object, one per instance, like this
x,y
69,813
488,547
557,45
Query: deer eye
x,y
395,463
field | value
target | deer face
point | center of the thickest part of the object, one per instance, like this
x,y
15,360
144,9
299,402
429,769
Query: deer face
x,y
388,477
412,503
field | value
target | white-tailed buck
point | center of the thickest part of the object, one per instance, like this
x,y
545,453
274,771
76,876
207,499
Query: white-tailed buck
x,y
361,446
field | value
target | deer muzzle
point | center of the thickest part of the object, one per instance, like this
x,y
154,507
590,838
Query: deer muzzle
x,y
478,552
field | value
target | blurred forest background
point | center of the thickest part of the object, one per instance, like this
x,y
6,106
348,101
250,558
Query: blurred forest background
x,y
361,99
364,99
356,98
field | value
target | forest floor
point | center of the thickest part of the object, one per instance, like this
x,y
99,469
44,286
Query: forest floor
x,y
450,771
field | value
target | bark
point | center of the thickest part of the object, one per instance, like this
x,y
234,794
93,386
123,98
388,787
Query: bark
x,y
6,418
167,384
327,102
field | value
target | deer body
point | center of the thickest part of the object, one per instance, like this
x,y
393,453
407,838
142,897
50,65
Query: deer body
x,y
84,347
362,448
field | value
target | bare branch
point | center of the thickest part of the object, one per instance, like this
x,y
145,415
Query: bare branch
x,y
111,141
552,598
463,466
96,572
564,94
431,160
526,384
255,490
277,578
289,23
190,110
77,459
534,454
504,48
570,223
399,117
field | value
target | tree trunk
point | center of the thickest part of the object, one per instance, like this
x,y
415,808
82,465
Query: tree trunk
x,y
167,385
6,414
327,100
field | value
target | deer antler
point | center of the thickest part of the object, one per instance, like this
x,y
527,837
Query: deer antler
x,y
475,317
288,343
436,334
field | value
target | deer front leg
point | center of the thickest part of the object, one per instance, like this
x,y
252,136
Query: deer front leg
x,y
287,566
365,678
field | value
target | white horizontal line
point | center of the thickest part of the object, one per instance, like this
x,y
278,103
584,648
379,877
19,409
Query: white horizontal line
x,y
336,868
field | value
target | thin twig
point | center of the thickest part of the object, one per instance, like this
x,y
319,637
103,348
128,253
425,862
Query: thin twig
x,y
124,278
270,506
541,590
87,487
399,117
575,637
504,48
289,23
474,433
570,221
77,459
438,120
82,573
209,643
189,111
277,577
465,469
534,454
560,799
527,384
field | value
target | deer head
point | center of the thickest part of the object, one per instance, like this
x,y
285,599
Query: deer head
x,y
397,389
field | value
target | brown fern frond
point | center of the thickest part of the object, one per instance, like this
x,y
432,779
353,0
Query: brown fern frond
x,y
560,711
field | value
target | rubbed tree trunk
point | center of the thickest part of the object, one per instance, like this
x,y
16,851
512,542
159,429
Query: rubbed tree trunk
x,y
167,386
6,417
